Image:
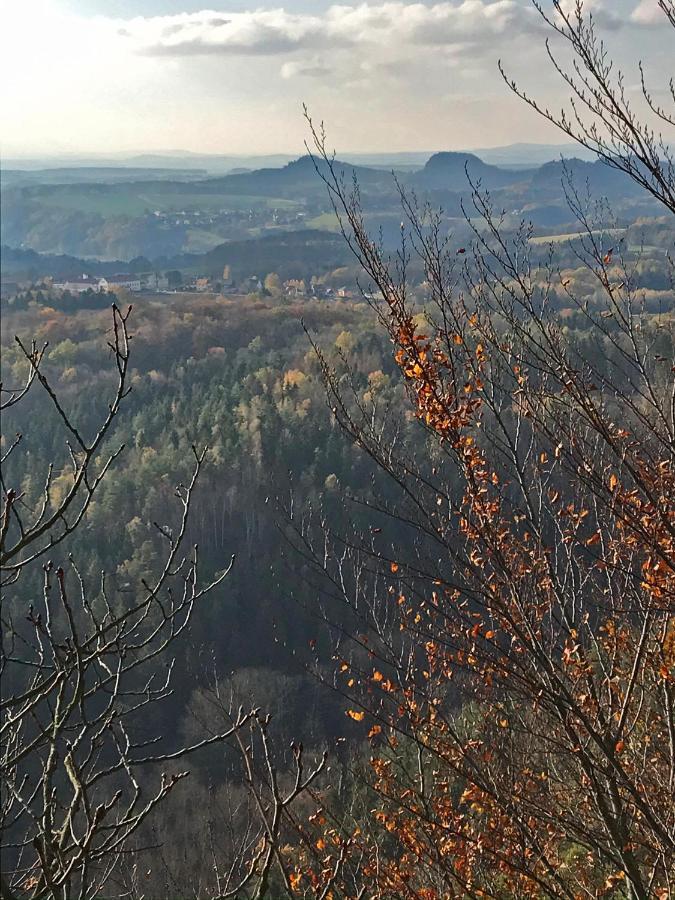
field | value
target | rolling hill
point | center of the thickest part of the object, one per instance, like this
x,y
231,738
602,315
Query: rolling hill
x,y
164,214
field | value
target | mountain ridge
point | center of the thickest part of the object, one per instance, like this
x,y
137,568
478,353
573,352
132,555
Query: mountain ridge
x,y
520,153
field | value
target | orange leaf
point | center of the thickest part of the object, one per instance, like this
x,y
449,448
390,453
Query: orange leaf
x,y
394,567
614,879
376,729
355,715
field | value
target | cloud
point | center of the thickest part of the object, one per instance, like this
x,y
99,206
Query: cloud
x,y
385,73
260,32
312,68
648,12
604,12
276,31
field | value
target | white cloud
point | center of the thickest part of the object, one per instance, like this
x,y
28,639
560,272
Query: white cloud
x,y
385,74
308,68
276,31
606,13
648,12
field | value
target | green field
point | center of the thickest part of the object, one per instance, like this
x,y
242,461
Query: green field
x,y
128,200
325,222
561,238
199,240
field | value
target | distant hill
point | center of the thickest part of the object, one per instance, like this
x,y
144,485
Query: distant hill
x,y
519,154
448,171
209,163
297,178
159,213
525,155
212,163
21,264
292,254
601,178
94,175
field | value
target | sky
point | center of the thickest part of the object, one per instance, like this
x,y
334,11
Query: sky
x,y
112,76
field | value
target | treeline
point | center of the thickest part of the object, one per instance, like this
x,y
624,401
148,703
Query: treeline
x,y
64,301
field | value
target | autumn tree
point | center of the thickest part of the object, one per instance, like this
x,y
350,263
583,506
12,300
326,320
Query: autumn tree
x,y
513,663
273,283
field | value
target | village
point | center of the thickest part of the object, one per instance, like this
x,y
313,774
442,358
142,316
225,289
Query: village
x,y
173,282
17,293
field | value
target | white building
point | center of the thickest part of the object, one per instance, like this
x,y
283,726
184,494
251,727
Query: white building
x,y
119,282
79,285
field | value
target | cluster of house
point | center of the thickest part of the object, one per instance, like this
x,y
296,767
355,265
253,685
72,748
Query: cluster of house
x,y
296,287
293,287
155,281
144,281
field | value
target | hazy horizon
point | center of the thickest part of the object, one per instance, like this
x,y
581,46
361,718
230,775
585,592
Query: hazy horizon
x,y
176,153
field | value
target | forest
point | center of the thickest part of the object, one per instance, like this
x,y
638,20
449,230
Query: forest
x,y
356,598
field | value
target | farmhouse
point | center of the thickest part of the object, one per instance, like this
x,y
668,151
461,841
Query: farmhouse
x,y
294,287
79,285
